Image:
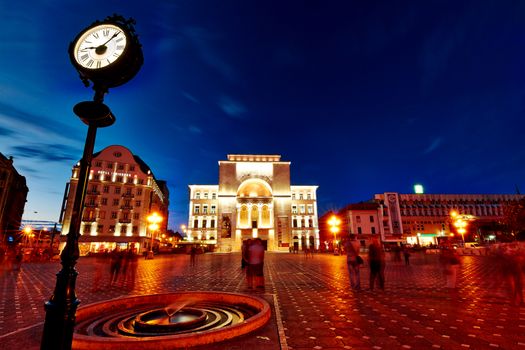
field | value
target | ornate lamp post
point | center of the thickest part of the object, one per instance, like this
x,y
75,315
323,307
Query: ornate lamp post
x,y
106,54
334,223
154,220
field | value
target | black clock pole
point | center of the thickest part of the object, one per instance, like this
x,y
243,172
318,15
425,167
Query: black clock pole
x,y
62,306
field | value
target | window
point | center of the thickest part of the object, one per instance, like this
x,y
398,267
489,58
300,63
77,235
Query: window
x,y
114,214
100,228
112,228
104,201
198,195
119,179
373,230
117,190
101,214
105,189
310,223
212,209
310,209
294,223
109,165
140,181
136,216
120,167
127,203
309,196
358,219
212,223
139,192
131,168
302,209
300,196
196,209
204,223
205,209
214,195
371,218
125,215
195,223
293,195
98,164
128,191
294,209
359,230
205,195
134,230
115,201
138,203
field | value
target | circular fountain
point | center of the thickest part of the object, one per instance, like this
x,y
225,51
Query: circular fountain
x,y
167,321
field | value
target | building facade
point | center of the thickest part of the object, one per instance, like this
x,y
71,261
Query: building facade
x,y
122,191
13,195
421,219
254,198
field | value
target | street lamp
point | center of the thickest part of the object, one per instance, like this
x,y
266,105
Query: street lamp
x,y
154,219
334,223
27,233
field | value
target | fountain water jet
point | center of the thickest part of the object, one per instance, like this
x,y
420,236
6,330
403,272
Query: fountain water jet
x,y
190,319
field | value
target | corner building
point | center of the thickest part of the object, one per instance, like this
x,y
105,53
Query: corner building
x,y
13,195
122,191
254,199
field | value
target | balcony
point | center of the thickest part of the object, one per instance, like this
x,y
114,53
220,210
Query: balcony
x,y
91,205
124,221
128,195
93,193
126,207
89,219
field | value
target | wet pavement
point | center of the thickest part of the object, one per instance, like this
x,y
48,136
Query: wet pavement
x,y
315,308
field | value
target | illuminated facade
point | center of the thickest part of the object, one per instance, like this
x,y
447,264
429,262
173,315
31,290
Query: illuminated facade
x,y
13,194
421,218
254,198
122,191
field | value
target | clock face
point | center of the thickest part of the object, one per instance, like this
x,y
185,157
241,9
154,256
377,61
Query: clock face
x,y
100,46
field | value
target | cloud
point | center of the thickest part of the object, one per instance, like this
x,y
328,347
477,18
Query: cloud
x,y
46,152
202,41
194,129
232,108
20,121
6,132
190,97
433,146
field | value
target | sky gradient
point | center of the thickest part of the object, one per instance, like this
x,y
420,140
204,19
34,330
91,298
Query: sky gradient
x,y
362,97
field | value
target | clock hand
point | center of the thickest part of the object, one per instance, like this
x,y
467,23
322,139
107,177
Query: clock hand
x,y
101,49
114,35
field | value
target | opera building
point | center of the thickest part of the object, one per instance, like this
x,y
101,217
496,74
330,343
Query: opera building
x,y
254,199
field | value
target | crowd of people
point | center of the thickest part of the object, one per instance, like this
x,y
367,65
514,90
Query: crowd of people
x,y
118,265
508,260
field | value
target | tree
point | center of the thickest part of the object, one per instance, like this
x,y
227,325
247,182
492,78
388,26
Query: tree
x,y
514,217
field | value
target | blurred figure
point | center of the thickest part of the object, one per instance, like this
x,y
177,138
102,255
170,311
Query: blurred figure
x,y
193,255
376,260
101,258
510,259
244,252
450,262
255,273
130,264
115,265
353,261
406,254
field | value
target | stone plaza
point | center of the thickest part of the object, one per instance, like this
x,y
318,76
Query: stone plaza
x,y
312,304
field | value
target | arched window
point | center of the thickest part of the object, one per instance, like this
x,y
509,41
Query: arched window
x,y
265,216
244,216
255,216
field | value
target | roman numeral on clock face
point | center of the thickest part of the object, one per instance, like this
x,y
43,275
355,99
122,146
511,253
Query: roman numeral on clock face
x,y
84,57
90,63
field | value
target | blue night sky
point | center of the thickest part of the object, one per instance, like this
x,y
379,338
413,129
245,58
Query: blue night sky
x,y
361,96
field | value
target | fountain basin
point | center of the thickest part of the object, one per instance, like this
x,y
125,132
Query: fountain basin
x,y
141,322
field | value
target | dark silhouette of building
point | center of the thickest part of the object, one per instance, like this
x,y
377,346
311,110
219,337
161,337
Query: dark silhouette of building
x,y
13,194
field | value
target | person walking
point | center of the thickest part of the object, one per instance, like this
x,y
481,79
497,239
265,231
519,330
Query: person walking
x,y
406,254
450,261
255,271
376,260
353,261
